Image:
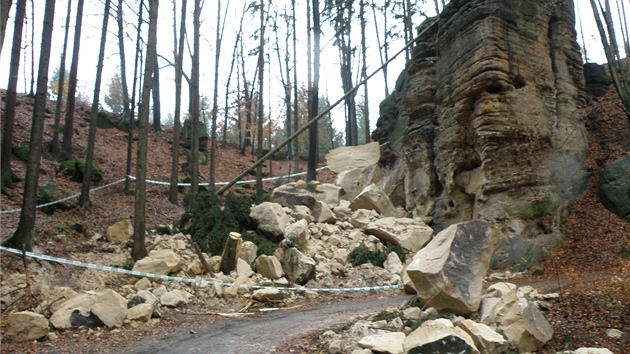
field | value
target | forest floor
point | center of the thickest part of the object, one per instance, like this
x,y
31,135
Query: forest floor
x,y
591,271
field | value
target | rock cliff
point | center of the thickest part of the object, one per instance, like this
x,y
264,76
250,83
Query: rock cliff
x,y
487,120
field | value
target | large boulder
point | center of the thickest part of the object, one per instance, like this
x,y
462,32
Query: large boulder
x,y
298,267
172,260
25,326
507,310
323,214
151,266
271,219
328,193
120,232
614,187
407,233
448,273
390,343
487,340
373,198
291,194
439,336
352,157
269,267
106,305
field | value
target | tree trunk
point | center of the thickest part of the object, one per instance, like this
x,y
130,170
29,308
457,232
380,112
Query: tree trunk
x,y
157,114
261,112
311,174
54,144
31,92
178,48
231,252
366,108
68,129
5,7
215,96
11,98
295,92
194,170
84,199
227,86
132,112
139,250
23,236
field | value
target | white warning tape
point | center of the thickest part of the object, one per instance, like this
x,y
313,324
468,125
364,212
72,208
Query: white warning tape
x,y
191,281
158,183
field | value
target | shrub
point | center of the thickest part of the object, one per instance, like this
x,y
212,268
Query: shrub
x,y
21,151
362,255
76,168
49,193
212,221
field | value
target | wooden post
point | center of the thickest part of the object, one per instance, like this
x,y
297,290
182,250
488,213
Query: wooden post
x,y
231,252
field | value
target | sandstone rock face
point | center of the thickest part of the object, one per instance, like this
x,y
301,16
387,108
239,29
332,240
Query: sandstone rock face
x,y
448,273
596,79
614,187
120,232
107,305
25,326
373,198
271,219
439,336
351,157
487,117
507,310
407,233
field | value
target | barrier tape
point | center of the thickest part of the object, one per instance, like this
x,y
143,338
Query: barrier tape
x,y
158,183
192,281
62,200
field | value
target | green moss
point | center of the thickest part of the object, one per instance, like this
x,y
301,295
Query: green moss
x,y
542,208
76,168
49,193
21,151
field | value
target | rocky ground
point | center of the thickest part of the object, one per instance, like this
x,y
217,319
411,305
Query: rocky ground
x,y
591,273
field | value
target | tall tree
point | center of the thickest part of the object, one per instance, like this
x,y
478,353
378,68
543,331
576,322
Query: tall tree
x,y
84,199
68,129
311,174
366,109
286,82
139,249
123,62
178,51
54,144
11,98
295,90
23,236
261,111
195,107
215,104
227,85
132,113
383,49
5,7
31,92
156,127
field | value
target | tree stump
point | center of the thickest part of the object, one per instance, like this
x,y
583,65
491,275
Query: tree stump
x,y
231,252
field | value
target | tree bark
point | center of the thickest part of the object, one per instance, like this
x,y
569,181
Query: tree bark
x,y
194,164
23,236
296,122
139,250
11,98
215,96
178,48
366,108
68,129
84,199
156,127
311,174
54,144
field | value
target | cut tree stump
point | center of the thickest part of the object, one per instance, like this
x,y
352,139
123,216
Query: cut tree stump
x,y
231,252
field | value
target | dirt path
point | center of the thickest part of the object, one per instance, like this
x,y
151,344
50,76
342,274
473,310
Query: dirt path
x,y
263,333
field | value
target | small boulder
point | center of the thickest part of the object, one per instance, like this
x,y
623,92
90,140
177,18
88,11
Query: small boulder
x,y
407,233
153,266
120,232
439,336
372,197
270,219
267,295
172,260
391,343
298,267
107,305
25,326
141,312
269,267
323,214
291,194
486,339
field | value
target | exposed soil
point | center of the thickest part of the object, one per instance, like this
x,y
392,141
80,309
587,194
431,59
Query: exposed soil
x,y
591,272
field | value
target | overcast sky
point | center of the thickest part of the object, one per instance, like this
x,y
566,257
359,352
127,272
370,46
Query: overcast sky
x,y
330,84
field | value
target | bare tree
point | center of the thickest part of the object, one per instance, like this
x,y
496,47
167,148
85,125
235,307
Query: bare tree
x,y
261,112
31,92
227,85
384,48
138,57
54,144
11,98
295,91
84,199
195,107
311,174
68,129
178,50
23,236
156,127
619,73
139,249
366,109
